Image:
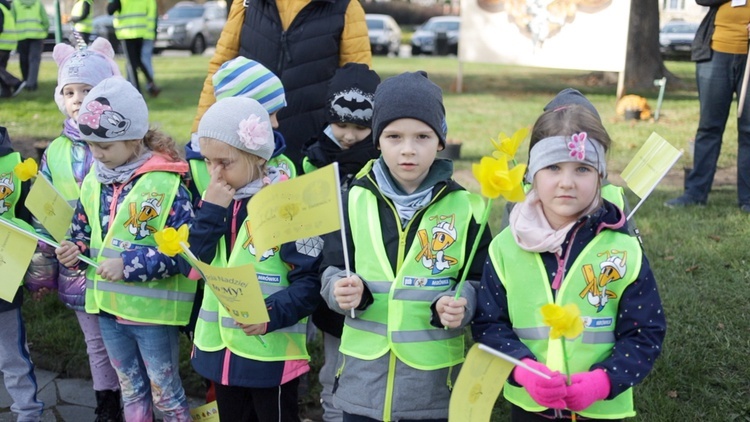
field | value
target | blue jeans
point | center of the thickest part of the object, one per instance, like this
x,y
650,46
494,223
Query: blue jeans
x,y
146,359
719,79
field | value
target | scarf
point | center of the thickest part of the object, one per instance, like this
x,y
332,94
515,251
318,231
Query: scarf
x,y
531,229
70,130
272,176
406,204
120,174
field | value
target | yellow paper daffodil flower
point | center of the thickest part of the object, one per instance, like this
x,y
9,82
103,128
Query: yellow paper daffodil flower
x,y
506,147
169,241
563,320
496,179
26,170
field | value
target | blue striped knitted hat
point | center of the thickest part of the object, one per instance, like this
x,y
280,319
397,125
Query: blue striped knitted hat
x,y
242,77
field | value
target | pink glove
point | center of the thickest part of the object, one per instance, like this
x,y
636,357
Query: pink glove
x,y
585,388
546,392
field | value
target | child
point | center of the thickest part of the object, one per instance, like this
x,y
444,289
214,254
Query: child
x,y
133,190
346,139
65,163
241,77
15,362
254,378
410,229
558,239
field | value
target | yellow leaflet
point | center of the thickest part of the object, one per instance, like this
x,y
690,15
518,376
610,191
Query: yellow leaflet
x,y
478,385
50,208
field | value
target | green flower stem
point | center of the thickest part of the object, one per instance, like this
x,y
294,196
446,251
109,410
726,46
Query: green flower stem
x,y
567,370
474,247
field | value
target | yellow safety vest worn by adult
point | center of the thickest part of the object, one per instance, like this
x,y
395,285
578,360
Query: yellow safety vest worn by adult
x,y
29,25
132,20
60,167
10,191
201,177
595,282
216,330
142,212
398,320
9,36
84,25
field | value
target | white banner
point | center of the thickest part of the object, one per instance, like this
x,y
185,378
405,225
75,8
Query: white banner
x,y
563,34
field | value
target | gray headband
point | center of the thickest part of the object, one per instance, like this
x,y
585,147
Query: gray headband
x,y
563,149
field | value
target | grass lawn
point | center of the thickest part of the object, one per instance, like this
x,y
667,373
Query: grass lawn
x,y
699,256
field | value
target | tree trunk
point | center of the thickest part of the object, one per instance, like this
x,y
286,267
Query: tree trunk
x,y
643,63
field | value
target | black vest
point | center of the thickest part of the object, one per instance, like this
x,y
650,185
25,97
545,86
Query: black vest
x,y
304,57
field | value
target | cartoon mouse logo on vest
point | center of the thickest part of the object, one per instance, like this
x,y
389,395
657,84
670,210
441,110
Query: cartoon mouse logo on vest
x,y
611,270
251,248
7,187
137,224
433,254
101,120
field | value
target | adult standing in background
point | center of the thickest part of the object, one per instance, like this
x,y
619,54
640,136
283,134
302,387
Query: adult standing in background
x,y
82,19
720,50
132,26
9,84
303,42
32,25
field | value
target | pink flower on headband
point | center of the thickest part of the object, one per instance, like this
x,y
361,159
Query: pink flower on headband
x,y
577,146
253,132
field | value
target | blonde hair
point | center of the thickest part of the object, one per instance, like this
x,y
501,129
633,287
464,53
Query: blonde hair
x,y
254,166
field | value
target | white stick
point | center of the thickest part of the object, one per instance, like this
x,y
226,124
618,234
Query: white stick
x,y
638,205
45,240
743,89
341,223
512,360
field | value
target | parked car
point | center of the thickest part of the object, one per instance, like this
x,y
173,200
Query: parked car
x,y
385,34
675,39
190,26
424,39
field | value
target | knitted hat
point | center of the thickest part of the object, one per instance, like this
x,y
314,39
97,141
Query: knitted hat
x,y
350,94
89,66
409,95
578,148
242,77
240,122
113,111
570,96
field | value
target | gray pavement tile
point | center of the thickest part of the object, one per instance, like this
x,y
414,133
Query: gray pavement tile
x,y
76,391
48,395
70,413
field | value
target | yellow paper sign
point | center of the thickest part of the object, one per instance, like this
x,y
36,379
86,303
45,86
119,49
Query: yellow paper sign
x,y
478,385
16,249
209,412
302,207
50,208
649,165
237,289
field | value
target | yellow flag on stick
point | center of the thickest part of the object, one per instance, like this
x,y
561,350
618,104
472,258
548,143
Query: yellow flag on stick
x,y
649,166
16,249
50,208
302,207
478,385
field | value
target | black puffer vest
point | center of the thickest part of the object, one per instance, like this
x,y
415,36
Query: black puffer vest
x,y
304,57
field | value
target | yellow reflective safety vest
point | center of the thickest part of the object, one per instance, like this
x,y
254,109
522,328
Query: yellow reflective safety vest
x,y
60,166
398,320
132,20
201,177
595,282
143,211
29,24
85,25
215,328
9,36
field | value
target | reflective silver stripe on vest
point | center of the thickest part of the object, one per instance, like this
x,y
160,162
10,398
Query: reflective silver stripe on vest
x,y
269,289
145,292
227,322
424,335
109,253
370,326
208,316
415,295
598,337
379,286
72,203
94,252
532,333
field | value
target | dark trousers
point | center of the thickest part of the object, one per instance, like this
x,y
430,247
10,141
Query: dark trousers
x,y
348,417
719,80
133,49
30,58
242,404
519,415
8,82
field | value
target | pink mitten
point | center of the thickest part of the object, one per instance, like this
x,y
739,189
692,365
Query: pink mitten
x,y
585,388
546,392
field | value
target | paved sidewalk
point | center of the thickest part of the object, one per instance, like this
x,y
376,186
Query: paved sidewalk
x,y
65,399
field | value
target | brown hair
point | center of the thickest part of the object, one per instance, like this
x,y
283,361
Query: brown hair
x,y
160,142
569,120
